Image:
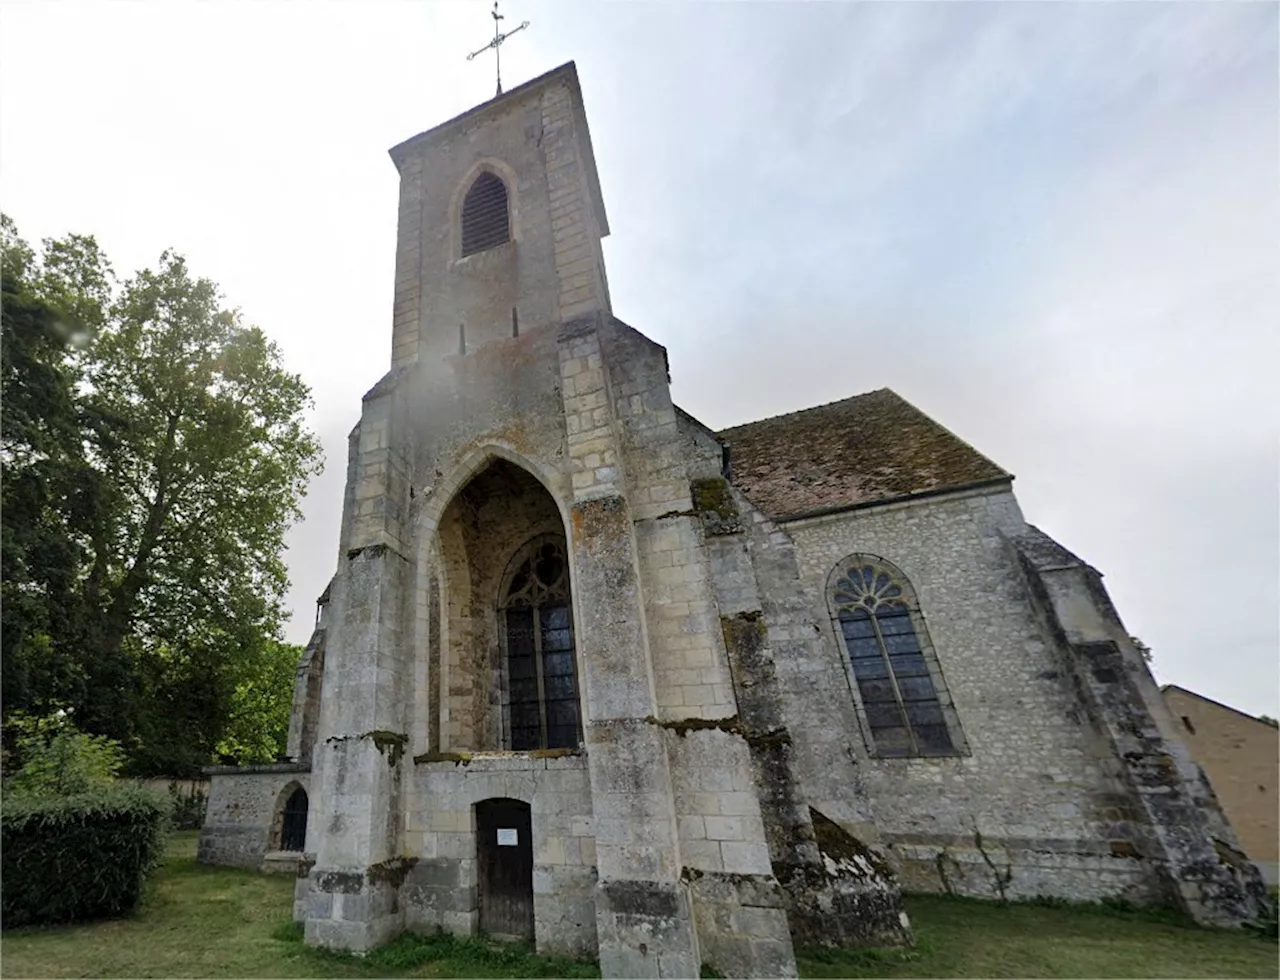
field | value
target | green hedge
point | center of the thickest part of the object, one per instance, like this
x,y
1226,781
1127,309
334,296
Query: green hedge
x,y
78,857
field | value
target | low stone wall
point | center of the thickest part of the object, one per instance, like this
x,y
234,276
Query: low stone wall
x,y
244,811
180,786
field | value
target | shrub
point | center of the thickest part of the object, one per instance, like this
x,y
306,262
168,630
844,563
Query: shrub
x,y
82,856
56,758
187,808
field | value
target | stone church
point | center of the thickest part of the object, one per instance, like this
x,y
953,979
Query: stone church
x,y
594,674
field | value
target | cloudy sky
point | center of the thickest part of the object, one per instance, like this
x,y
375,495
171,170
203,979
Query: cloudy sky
x,y
1051,226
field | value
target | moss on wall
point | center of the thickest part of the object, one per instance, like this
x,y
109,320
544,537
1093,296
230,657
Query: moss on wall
x,y
389,744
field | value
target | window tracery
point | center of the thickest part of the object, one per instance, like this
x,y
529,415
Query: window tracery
x,y
542,685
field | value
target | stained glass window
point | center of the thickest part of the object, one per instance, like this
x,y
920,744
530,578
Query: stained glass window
x,y
542,683
873,611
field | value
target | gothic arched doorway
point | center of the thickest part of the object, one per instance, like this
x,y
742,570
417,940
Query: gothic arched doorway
x,y
543,709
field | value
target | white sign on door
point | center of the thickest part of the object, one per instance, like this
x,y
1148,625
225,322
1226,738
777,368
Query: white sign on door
x,y
508,837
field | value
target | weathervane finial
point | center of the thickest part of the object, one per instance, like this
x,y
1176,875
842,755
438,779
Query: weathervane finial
x,y
496,43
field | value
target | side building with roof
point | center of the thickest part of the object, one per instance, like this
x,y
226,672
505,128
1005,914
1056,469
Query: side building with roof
x,y
593,674
1240,755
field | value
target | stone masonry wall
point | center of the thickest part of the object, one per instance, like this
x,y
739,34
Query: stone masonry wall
x,y
440,890
691,676
643,917
836,890
242,821
624,435
499,402
581,402
304,714
1025,810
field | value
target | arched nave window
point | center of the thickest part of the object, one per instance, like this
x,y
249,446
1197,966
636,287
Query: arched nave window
x,y
900,691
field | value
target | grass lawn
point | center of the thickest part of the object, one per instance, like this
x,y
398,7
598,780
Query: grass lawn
x,y
219,922
965,938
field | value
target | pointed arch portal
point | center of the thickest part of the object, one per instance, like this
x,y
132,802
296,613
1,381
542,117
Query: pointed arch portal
x,y
505,655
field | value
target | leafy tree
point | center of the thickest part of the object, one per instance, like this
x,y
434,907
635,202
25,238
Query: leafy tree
x,y
48,487
57,759
1268,720
157,455
258,727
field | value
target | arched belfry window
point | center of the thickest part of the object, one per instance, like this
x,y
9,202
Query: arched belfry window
x,y
542,682
486,221
900,689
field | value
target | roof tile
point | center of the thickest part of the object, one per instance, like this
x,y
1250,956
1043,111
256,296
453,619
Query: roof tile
x,y
865,449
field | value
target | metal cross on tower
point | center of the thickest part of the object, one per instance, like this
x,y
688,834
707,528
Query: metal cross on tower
x,y
496,43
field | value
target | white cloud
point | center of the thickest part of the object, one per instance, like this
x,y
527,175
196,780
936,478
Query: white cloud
x,y
1049,225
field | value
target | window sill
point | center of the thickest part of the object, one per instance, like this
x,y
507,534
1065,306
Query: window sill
x,y
933,757
478,261
282,862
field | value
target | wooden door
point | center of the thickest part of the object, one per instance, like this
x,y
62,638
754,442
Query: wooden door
x,y
504,848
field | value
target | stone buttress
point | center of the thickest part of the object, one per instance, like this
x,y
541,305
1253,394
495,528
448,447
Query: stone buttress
x,y
1164,810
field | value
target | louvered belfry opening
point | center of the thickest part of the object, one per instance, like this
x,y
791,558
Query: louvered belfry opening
x,y
485,221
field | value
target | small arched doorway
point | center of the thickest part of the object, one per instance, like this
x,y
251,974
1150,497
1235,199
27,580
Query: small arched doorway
x,y
504,852
293,826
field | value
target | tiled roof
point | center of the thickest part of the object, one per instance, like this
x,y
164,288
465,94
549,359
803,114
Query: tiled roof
x,y
861,450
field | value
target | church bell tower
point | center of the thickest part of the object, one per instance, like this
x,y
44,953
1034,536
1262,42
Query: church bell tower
x,y
503,240
543,710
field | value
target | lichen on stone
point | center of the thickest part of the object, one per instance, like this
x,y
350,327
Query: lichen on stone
x,y
389,744
461,758
841,847
391,872
713,501
774,738
338,882
712,494
731,725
